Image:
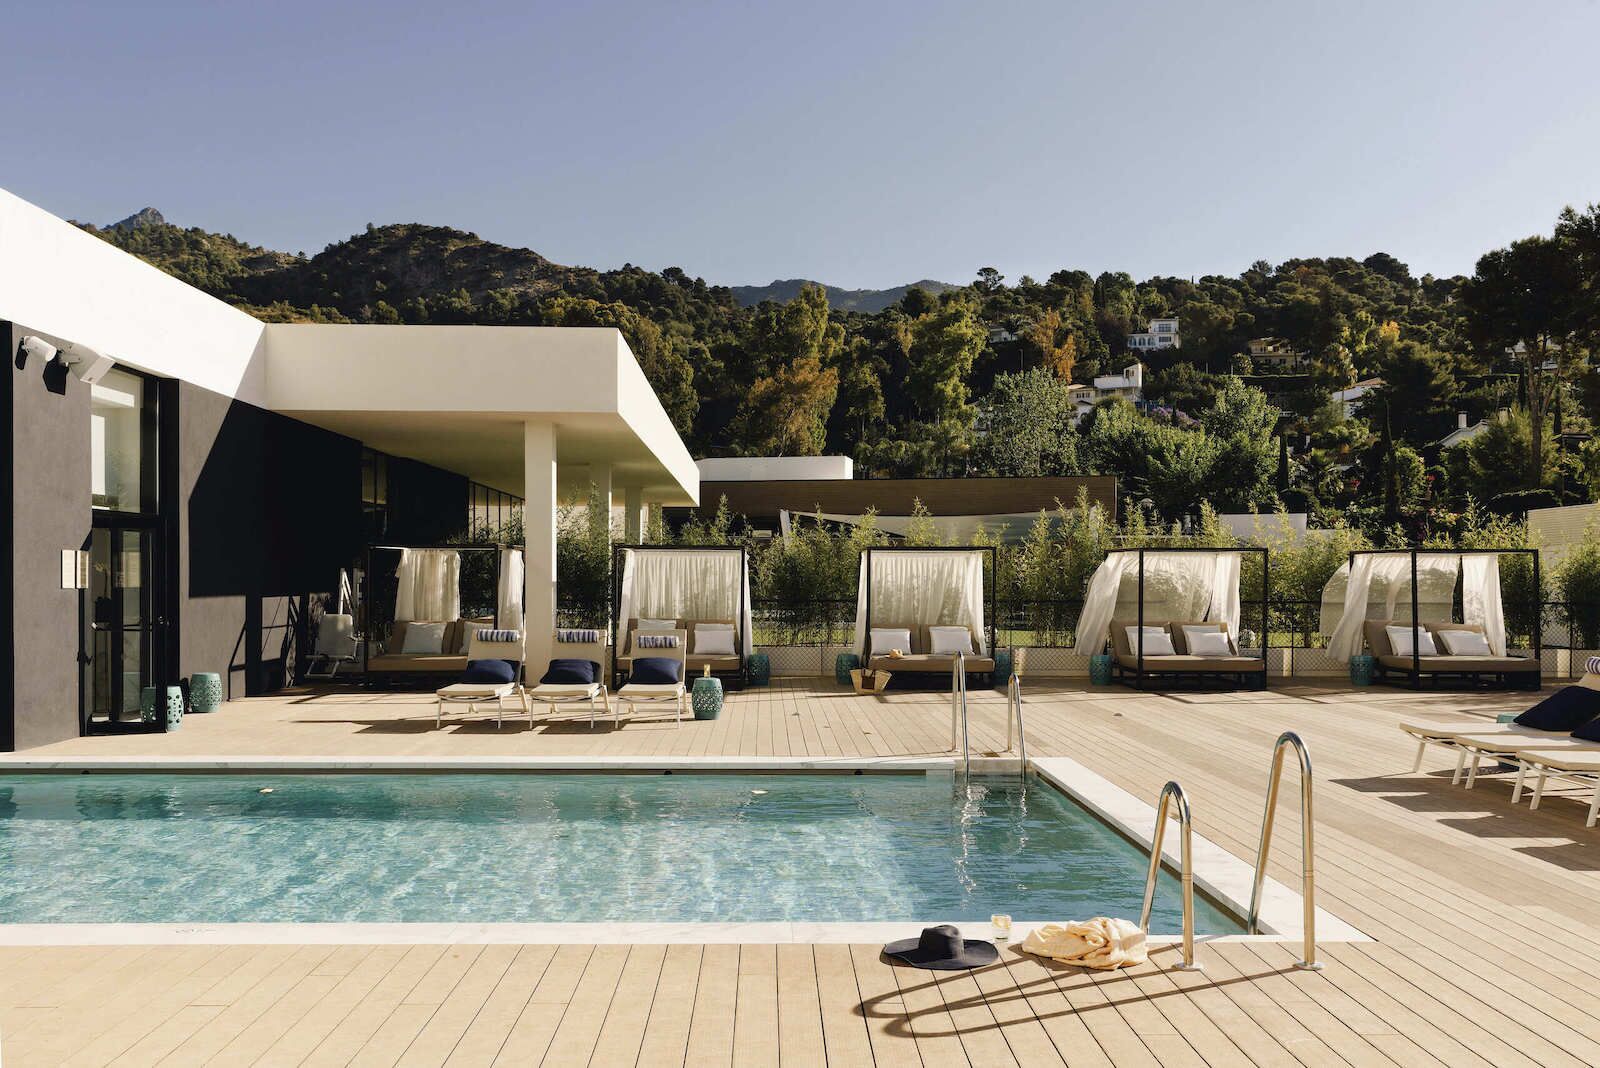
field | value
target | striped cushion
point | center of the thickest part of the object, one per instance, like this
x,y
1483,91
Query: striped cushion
x,y
585,637
1594,665
502,637
655,641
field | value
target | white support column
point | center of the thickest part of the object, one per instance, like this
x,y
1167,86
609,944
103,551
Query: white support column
x,y
633,515
539,532
600,475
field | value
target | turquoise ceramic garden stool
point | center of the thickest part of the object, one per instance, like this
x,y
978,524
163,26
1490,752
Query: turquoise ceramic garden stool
x,y
843,664
1100,669
760,667
1362,668
706,697
205,691
1002,668
161,702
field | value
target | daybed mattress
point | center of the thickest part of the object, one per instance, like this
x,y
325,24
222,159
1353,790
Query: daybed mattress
x,y
1469,665
1190,664
929,663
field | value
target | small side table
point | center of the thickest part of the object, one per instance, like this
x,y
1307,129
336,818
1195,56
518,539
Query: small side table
x,y
760,669
706,697
1362,667
205,691
1100,669
843,664
159,704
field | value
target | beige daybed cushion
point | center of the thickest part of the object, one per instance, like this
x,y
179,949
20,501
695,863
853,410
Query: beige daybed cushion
x,y
693,664
919,660
1378,642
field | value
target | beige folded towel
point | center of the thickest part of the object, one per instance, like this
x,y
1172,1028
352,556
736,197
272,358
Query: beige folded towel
x,y
1098,943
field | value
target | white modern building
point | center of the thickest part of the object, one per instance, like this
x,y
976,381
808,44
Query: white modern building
x,y
183,476
1352,397
1160,334
1127,384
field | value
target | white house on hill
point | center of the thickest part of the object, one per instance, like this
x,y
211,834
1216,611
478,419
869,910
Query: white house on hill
x,y
1161,334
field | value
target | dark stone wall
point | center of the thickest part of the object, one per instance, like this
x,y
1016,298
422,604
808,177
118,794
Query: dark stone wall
x,y
261,511
46,412
269,510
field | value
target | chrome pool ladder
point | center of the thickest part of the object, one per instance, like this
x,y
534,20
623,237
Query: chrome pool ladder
x,y
1308,892
1016,733
958,713
1171,794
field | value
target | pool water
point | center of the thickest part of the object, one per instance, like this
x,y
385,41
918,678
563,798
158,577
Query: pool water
x,y
562,848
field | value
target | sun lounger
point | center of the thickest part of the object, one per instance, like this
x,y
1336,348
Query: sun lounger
x,y
556,694
1507,746
637,693
475,694
1581,767
1443,734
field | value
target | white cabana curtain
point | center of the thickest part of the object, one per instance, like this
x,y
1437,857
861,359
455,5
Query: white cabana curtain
x,y
428,585
1182,586
508,597
701,584
1480,598
1379,587
933,588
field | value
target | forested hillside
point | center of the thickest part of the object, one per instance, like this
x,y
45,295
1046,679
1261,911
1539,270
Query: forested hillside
x,y
974,379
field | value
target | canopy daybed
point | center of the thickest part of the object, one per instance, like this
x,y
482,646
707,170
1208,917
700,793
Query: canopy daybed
x,y
1400,604
440,596
917,601
1160,607
702,590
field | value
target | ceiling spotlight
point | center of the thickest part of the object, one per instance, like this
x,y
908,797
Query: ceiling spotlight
x,y
36,348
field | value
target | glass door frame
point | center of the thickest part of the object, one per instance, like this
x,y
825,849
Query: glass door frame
x,y
157,520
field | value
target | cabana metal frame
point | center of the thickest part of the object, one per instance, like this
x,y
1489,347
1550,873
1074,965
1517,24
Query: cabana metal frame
x,y
367,626
733,680
990,603
1140,674
1416,674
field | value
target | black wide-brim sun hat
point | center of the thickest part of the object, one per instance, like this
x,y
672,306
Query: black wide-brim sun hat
x,y
942,949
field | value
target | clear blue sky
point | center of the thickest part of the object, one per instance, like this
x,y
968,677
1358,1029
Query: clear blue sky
x,y
863,144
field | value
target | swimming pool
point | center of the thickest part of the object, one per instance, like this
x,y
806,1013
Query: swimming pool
x,y
494,848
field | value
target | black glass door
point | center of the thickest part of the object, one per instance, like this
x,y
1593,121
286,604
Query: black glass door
x,y
127,627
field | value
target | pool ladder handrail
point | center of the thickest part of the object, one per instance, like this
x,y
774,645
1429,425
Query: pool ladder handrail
x,y
1014,709
958,711
1170,793
1308,891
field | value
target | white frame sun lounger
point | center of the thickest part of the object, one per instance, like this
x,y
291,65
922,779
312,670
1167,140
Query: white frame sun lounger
x,y
1444,735
564,693
473,694
1510,746
633,693
1581,767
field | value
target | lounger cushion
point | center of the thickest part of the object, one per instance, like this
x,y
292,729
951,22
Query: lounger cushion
x,y
1465,665
1463,642
656,670
466,691
1587,732
1565,710
883,639
494,671
1157,642
424,639
566,671
1400,641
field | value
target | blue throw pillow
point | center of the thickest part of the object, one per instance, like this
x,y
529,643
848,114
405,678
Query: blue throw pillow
x,y
1587,732
656,670
1565,710
490,671
571,672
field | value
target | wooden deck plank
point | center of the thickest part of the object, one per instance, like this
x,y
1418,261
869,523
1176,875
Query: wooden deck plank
x,y
1487,948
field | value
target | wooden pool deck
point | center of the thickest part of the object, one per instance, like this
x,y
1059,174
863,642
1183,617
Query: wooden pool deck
x,y
1486,943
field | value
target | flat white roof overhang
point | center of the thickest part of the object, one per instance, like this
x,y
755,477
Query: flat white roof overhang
x,y
459,397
